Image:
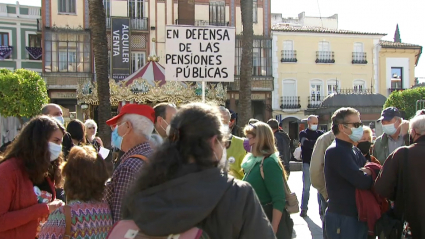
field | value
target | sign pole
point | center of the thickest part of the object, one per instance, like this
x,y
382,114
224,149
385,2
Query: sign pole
x,y
203,91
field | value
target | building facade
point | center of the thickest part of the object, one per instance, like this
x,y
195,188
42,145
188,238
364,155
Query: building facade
x,y
308,21
311,63
20,45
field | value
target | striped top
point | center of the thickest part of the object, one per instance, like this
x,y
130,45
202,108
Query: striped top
x,y
88,220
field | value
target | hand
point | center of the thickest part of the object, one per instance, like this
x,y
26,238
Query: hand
x,y
55,205
367,171
99,141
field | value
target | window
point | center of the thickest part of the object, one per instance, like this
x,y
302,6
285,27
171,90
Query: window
x,y
34,40
66,6
396,78
107,6
135,9
359,86
261,57
358,47
316,92
359,56
332,87
288,53
137,61
255,11
218,13
67,52
324,51
4,39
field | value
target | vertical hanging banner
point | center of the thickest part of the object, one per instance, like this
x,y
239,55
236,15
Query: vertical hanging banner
x,y
120,48
204,53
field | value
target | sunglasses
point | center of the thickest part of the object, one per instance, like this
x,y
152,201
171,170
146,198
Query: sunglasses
x,y
356,125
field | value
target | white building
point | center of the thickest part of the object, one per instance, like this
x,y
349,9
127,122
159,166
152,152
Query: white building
x,y
303,20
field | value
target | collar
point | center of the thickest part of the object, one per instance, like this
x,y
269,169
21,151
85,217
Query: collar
x,y
420,139
343,143
140,149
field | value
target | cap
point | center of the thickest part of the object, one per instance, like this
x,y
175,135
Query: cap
x,y
233,114
143,110
389,113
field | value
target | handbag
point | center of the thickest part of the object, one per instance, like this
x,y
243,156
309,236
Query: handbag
x,y
389,226
292,204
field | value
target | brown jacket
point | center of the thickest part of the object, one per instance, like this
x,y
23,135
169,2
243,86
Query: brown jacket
x,y
386,184
317,163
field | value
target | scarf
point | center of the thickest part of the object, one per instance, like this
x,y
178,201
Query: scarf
x,y
250,161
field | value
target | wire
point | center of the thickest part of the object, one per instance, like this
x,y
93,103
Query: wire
x,y
320,14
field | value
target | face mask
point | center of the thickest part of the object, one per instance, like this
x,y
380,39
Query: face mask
x,y
313,127
116,138
167,129
226,129
60,119
356,134
222,163
55,150
389,129
364,146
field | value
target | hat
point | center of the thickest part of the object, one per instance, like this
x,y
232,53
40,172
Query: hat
x,y
142,110
233,114
389,113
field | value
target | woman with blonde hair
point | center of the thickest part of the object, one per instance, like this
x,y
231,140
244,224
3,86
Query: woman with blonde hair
x,y
91,138
264,171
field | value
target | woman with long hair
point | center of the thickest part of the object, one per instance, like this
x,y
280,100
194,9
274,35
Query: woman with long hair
x,y
183,186
86,174
29,171
264,171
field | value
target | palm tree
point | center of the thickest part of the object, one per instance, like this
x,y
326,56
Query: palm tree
x,y
100,49
245,112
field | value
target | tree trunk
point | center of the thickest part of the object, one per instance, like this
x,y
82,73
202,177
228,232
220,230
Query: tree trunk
x,y
244,111
100,49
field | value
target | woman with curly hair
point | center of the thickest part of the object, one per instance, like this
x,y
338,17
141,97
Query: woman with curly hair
x,y
183,186
29,170
85,173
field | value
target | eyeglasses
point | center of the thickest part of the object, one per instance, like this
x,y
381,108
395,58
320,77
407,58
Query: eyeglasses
x,y
356,124
252,125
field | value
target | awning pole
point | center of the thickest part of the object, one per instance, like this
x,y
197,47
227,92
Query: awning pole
x,y
203,91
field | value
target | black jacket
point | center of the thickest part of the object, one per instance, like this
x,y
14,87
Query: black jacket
x,y
283,146
221,206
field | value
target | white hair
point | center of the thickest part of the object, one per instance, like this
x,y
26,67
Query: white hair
x,y
156,140
141,125
418,124
225,112
90,123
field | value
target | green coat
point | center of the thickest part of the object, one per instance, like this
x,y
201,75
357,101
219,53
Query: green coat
x,y
271,188
380,148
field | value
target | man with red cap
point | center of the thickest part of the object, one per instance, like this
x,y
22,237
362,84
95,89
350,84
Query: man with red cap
x,y
132,129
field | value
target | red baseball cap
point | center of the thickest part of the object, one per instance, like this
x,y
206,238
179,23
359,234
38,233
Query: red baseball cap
x,y
143,110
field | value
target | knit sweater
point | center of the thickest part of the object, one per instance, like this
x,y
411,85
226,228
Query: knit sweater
x,y
271,188
89,220
19,208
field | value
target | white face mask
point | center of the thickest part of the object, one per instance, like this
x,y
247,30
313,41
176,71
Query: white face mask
x,y
222,163
55,150
60,119
167,129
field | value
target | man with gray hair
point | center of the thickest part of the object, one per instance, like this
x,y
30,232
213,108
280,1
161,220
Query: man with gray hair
x,y
132,129
408,164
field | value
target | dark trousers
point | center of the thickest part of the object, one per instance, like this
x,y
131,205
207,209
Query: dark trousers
x,y
286,225
343,227
323,205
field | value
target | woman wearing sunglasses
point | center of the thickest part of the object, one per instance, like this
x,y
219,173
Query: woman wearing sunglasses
x,y
91,130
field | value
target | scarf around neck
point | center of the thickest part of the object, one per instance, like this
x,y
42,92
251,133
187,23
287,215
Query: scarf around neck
x,y
250,161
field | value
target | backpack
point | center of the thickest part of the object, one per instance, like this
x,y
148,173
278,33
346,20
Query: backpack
x,y
127,229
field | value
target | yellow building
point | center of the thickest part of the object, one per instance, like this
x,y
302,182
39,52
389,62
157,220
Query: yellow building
x,y
311,63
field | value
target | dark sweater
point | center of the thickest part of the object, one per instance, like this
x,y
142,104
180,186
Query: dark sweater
x,y
343,177
308,139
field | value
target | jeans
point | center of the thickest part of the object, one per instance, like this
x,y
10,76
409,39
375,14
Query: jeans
x,y
344,227
306,186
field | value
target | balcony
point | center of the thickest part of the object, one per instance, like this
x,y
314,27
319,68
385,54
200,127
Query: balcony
x,y
359,58
290,102
140,24
327,57
258,83
58,80
355,91
315,101
391,90
288,56
201,22
39,25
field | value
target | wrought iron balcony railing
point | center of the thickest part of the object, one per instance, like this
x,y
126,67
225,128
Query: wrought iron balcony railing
x,y
201,22
290,102
135,23
325,57
314,101
258,83
289,56
359,58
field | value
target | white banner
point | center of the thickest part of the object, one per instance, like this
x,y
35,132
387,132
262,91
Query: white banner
x,y
204,53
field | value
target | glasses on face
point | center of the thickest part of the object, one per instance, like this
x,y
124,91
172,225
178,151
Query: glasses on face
x,y
252,125
356,124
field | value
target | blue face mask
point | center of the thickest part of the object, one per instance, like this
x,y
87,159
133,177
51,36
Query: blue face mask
x,y
116,138
356,134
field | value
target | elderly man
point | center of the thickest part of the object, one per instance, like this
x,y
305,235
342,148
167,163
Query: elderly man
x,y
395,134
54,111
164,113
308,138
234,147
344,173
132,130
409,199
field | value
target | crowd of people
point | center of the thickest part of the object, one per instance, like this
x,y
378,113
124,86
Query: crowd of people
x,y
178,168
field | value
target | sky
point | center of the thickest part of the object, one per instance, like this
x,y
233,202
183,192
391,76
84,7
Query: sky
x,y
379,16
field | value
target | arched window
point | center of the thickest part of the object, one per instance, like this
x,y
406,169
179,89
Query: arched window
x,y
359,86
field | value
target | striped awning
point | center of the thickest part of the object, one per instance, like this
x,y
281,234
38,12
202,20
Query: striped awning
x,y
151,72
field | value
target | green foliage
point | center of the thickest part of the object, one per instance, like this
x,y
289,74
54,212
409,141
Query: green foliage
x,y
406,100
22,93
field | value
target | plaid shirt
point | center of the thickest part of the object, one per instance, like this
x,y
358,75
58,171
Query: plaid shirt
x,y
123,177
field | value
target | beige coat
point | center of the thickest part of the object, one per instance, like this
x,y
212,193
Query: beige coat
x,y
317,163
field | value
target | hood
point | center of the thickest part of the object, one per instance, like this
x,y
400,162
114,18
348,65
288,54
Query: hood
x,y
179,204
